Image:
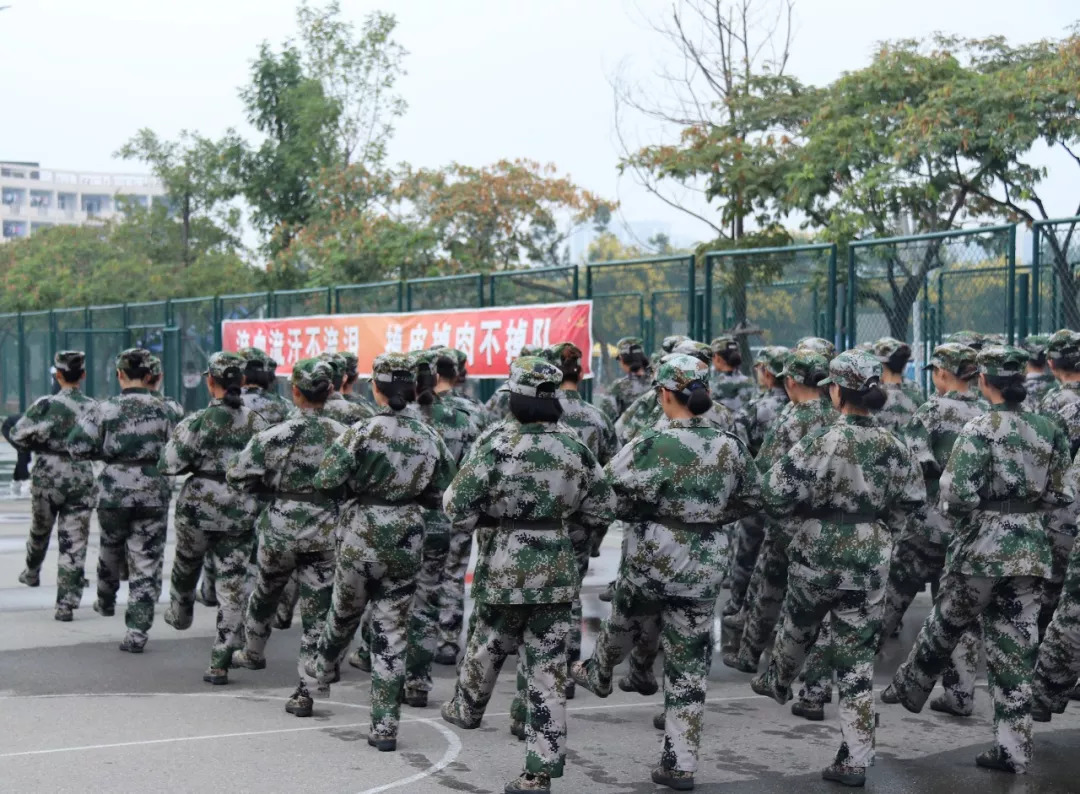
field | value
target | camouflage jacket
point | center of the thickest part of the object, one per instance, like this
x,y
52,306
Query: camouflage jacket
x,y
176,410
498,406
1065,519
902,400
760,415
204,445
852,466
1057,399
341,410
456,427
268,404
795,422
521,485
733,389
1012,457
44,430
1037,385
281,463
675,487
646,413
625,391
593,428
388,468
127,432
479,415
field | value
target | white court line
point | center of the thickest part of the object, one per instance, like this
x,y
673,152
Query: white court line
x,y
453,748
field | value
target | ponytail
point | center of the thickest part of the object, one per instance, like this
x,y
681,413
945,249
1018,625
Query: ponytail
x,y
425,386
398,393
872,398
697,401
231,380
1012,387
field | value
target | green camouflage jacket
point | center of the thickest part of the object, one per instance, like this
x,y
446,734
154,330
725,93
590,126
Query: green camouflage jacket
x,y
646,413
456,427
1038,386
176,410
347,413
520,486
476,411
204,445
795,422
760,415
625,390
281,463
389,468
127,432
853,466
902,400
269,404
1058,398
593,428
675,487
733,389
44,430
1005,456
498,406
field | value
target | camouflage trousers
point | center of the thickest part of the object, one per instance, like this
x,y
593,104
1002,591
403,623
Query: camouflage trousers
x,y
231,555
424,617
290,596
817,688
916,560
1061,546
684,628
137,535
314,572
540,630
765,598
750,533
358,583
1008,609
1059,654
848,649
72,520
452,608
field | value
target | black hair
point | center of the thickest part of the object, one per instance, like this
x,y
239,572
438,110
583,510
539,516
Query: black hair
x,y
399,392
636,360
139,372
425,385
338,376
698,400
70,376
319,394
230,380
731,357
255,374
1012,387
1070,362
898,360
571,369
869,399
536,409
1039,359
446,368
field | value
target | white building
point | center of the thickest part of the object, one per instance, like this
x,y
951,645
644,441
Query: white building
x,y
32,197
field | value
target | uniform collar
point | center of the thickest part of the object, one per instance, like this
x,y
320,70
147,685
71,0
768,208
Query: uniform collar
x,y
135,390
1006,407
570,394
859,421
963,396
693,421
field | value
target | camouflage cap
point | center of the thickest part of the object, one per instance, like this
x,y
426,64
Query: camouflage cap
x,y
134,357
564,351
699,350
224,365
391,367
1035,345
352,362
155,366
884,349
671,342
529,373
531,350
69,360
969,338
630,344
679,372
252,355
337,365
461,358
772,358
724,344
311,374
1002,360
999,340
855,370
954,358
806,366
818,345
1063,344
423,358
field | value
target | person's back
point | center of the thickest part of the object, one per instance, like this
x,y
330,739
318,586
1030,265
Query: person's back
x,y
268,404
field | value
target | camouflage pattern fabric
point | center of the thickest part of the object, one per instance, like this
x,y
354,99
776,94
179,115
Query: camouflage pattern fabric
x,y
296,530
902,400
625,391
347,413
213,517
387,466
761,414
499,405
733,390
1038,385
134,536
1058,399
62,490
593,428
268,404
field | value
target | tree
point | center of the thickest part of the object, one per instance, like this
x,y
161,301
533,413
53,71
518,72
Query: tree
x,y
194,172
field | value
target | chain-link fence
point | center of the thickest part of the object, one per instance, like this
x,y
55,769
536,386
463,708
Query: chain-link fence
x,y
448,292
378,298
1054,266
541,285
303,302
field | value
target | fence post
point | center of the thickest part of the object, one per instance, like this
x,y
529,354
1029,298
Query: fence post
x,y
830,298
329,300
408,296
707,320
1010,289
491,289
219,312
19,324
577,293
693,299
1036,292
480,290
1022,305
851,296
337,300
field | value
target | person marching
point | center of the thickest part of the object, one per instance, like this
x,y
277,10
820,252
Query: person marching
x,y
350,387
156,382
336,406
61,489
1006,469
837,486
1038,380
498,406
212,517
258,394
635,380
904,397
520,486
296,529
729,386
675,488
128,433
388,469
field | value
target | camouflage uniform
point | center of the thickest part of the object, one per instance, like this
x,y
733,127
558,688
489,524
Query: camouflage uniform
x,y
902,399
390,468
61,489
768,582
211,516
266,402
336,406
296,530
733,390
1005,469
839,484
176,410
675,488
1037,383
520,486
352,388
128,432
630,386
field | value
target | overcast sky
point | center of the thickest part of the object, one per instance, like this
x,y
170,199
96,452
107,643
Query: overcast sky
x,y
487,78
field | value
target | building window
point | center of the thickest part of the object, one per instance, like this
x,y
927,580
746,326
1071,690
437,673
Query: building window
x,y
14,229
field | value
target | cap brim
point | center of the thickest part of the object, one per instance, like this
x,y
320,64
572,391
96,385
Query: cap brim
x,y
826,382
504,389
928,367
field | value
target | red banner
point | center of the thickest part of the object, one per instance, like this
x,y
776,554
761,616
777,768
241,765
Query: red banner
x,y
491,338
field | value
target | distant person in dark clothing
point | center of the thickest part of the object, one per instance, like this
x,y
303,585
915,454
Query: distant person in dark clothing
x,y
21,476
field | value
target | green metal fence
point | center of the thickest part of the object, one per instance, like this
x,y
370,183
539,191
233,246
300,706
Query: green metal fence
x,y
916,288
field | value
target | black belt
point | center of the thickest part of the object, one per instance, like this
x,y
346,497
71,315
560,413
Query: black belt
x,y
546,525
375,501
311,498
687,526
1008,508
841,516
